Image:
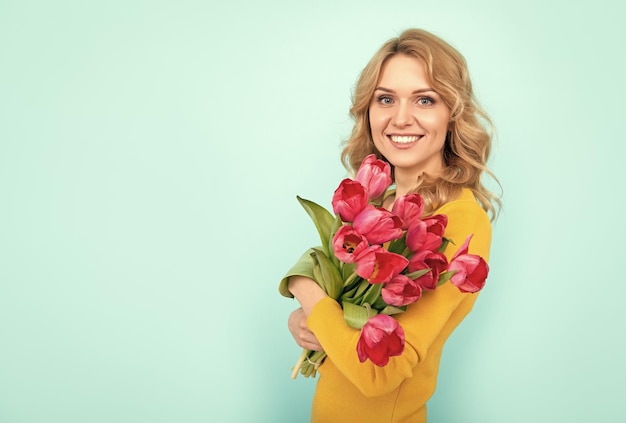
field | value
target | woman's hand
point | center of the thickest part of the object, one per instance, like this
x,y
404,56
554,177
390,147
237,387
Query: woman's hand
x,y
300,331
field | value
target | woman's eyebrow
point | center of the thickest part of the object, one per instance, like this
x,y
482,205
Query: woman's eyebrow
x,y
419,91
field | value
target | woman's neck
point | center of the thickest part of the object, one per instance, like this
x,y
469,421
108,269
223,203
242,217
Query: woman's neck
x,y
404,183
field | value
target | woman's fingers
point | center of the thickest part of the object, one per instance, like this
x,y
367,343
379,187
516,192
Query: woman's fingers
x,y
300,331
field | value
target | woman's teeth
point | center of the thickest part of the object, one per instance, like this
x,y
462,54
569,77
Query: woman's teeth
x,y
404,139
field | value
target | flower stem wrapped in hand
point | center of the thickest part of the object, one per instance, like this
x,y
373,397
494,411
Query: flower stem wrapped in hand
x,y
376,262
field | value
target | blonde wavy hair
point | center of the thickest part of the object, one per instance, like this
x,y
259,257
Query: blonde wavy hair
x,y
468,142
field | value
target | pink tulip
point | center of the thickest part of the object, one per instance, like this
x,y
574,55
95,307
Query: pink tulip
x,y
402,290
409,208
375,175
426,234
426,281
378,265
349,199
381,337
378,225
471,270
348,244
434,260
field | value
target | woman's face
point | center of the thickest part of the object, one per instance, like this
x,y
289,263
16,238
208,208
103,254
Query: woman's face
x,y
408,119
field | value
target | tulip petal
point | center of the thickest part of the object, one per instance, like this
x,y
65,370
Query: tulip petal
x,y
347,244
349,199
471,272
381,338
409,208
378,225
463,249
375,175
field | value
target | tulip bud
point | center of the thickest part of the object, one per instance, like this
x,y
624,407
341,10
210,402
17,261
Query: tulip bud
x,y
349,199
381,337
375,175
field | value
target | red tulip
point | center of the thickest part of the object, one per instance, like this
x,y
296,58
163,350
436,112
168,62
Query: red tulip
x,y
426,234
378,225
434,260
375,175
381,337
348,244
402,290
378,265
409,208
471,270
349,199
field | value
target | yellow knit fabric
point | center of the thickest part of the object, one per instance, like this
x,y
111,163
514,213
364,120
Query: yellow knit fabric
x,y
350,391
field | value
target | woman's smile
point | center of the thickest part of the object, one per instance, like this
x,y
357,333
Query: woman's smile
x,y
404,140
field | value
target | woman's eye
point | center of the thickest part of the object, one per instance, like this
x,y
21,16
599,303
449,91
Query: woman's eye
x,y
425,101
383,99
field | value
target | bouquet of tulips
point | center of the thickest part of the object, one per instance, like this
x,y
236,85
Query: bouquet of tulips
x,y
376,262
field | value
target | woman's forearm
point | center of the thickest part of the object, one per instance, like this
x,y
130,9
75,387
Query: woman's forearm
x,y
307,292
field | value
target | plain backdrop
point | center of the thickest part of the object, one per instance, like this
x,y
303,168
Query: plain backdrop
x,y
150,157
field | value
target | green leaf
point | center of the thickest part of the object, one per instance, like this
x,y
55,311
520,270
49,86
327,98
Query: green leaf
x,y
397,245
372,294
327,274
347,270
303,267
391,310
351,281
444,244
418,273
333,230
363,286
322,219
348,295
355,292
379,304
445,277
356,315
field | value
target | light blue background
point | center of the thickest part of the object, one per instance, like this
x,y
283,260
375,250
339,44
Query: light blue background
x,y
150,155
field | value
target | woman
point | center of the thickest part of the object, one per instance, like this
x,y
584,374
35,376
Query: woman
x,y
414,108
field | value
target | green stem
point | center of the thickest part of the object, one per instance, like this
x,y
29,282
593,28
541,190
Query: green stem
x,y
301,359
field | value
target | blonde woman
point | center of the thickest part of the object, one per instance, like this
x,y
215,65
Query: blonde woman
x,y
414,108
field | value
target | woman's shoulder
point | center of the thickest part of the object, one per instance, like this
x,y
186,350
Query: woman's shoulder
x,y
465,215
465,201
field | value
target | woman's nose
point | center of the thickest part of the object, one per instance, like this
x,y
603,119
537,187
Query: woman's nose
x,y
402,116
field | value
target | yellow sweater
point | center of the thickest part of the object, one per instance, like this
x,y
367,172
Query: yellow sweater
x,y
350,391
